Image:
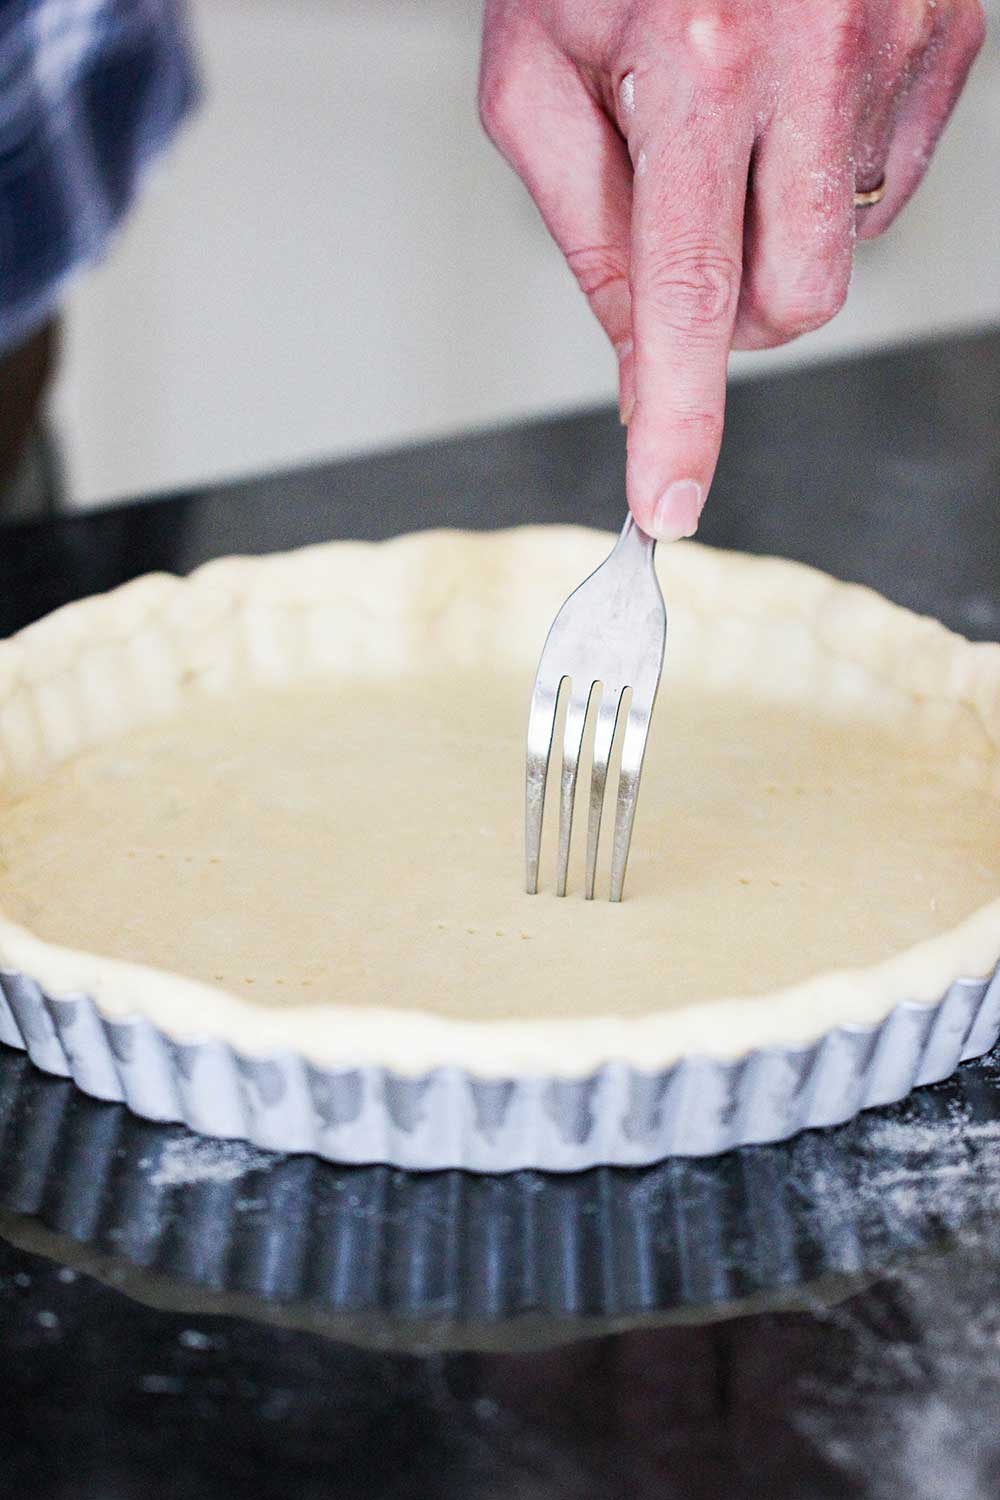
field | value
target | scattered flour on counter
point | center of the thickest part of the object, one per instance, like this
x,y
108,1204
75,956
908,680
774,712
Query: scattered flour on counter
x,y
910,1176
906,1404
917,1135
192,1159
908,1409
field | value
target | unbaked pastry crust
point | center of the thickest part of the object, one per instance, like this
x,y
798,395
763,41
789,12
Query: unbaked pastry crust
x,y
361,619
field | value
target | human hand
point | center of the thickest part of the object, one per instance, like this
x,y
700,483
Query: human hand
x,y
696,161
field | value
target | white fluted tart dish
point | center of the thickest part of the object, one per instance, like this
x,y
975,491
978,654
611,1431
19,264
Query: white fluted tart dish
x,y
260,858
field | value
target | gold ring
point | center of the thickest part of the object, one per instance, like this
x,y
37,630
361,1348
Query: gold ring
x,y
872,196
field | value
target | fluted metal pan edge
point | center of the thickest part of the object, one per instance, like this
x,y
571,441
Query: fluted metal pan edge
x,y
616,1116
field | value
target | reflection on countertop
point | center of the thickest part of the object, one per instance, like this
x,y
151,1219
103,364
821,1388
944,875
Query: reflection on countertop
x,y
775,1320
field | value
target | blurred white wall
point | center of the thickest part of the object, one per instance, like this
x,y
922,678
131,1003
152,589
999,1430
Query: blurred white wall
x,y
334,258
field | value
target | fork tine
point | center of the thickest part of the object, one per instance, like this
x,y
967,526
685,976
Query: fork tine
x,y
541,727
576,719
607,720
633,749
611,629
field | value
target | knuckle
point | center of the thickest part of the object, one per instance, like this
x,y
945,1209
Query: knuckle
x,y
596,267
961,24
805,304
693,290
501,105
757,321
873,228
718,41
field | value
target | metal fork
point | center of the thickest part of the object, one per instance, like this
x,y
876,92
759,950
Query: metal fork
x,y
609,636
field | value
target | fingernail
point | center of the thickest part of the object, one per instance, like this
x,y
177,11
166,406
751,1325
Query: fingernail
x,y
625,409
677,510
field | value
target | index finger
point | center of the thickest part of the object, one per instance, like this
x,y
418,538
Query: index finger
x,y
686,265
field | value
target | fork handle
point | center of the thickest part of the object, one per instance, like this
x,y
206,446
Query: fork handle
x,y
635,542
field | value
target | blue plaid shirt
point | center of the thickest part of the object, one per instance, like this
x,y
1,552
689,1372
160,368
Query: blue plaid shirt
x,y
90,91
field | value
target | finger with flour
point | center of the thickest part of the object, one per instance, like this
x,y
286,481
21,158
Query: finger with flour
x,y
687,237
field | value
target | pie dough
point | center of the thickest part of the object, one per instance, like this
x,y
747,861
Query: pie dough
x,y
280,803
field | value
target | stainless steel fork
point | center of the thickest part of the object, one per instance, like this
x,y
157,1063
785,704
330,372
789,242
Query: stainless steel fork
x,y
609,636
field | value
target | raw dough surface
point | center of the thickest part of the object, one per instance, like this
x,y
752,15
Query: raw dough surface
x,y
280,804
315,844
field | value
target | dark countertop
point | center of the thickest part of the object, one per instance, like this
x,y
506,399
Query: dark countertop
x,y
187,1318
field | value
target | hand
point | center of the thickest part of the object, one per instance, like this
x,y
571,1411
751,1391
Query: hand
x,y
696,161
